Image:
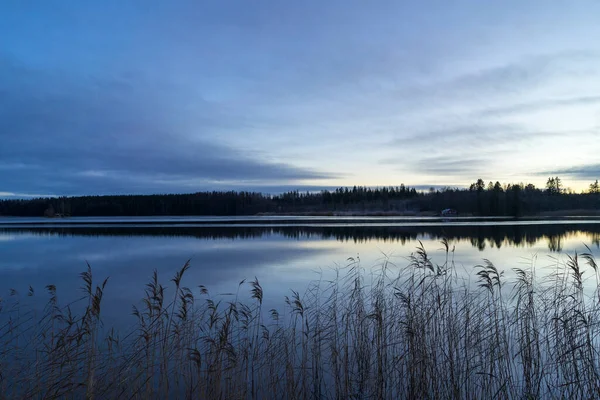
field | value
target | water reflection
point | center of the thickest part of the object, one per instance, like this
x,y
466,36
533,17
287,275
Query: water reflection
x,y
283,258
480,236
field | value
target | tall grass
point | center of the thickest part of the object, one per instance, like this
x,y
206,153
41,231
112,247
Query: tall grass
x,y
422,331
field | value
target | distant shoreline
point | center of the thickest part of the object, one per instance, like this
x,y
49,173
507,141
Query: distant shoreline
x,y
281,220
559,213
343,202
353,214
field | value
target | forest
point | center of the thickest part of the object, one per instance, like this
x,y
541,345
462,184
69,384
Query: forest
x,y
479,199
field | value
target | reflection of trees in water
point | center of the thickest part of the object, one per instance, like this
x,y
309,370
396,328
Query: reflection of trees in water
x,y
555,243
478,242
595,239
480,236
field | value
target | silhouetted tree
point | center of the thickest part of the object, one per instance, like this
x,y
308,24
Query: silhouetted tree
x,y
554,185
515,203
594,187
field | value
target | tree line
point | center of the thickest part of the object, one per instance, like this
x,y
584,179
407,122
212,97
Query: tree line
x,y
496,199
207,203
478,199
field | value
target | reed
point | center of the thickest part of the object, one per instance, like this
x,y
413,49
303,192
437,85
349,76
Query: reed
x,y
418,331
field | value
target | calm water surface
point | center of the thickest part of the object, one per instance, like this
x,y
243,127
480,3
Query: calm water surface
x,y
284,253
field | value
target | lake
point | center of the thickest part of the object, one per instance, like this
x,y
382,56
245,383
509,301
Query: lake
x,y
284,253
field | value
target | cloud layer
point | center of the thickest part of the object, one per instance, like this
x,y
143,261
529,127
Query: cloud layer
x,y
91,136
157,97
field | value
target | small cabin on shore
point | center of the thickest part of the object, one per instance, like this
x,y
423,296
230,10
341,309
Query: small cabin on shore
x,y
449,212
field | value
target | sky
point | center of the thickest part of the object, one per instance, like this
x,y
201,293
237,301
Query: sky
x,y
117,97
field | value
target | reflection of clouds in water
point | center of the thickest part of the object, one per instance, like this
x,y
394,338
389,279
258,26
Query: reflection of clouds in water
x,y
130,261
280,261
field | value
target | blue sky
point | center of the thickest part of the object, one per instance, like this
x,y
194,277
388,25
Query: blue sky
x,y
181,96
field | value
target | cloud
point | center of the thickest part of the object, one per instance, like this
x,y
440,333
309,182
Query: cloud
x,y
461,112
72,136
481,137
10,195
541,105
454,166
588,172
482,86
459,134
